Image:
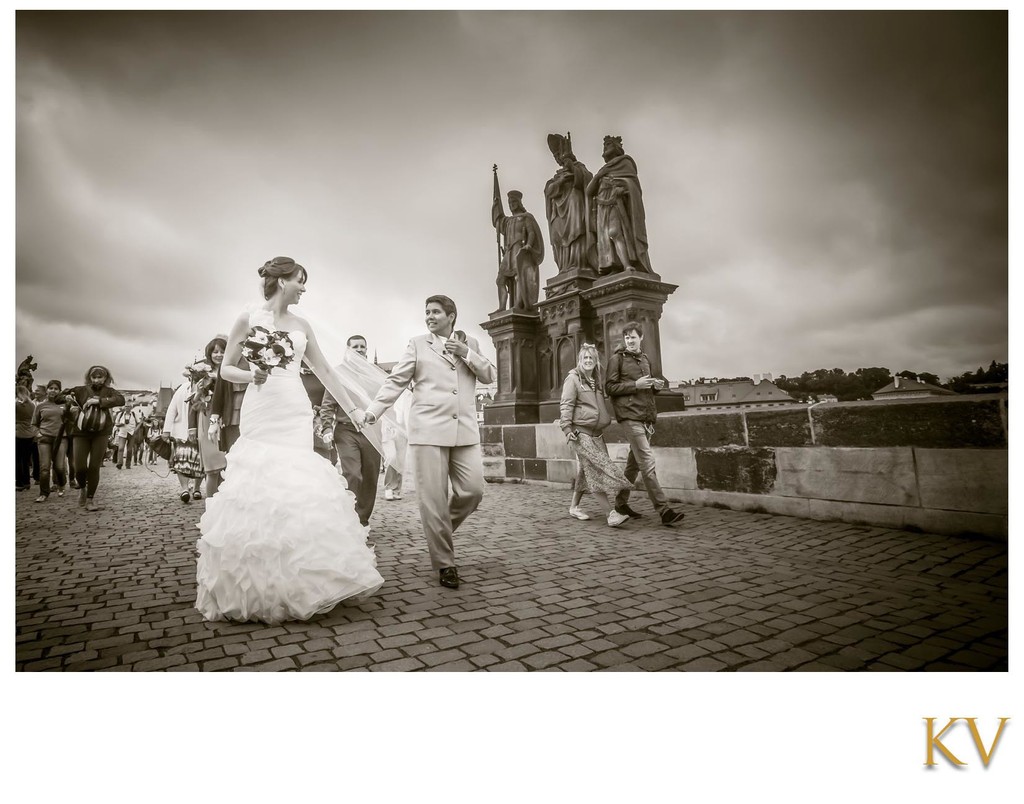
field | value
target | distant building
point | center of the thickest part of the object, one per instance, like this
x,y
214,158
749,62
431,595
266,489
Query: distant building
x,y
163,401
905,388
760,392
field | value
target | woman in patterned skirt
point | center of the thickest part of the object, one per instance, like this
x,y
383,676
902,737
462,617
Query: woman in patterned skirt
x,y
584,416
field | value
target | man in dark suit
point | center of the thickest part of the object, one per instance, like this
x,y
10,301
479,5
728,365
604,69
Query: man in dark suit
x,y
360,461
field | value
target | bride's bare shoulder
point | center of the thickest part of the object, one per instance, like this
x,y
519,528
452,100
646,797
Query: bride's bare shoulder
x,y
302,323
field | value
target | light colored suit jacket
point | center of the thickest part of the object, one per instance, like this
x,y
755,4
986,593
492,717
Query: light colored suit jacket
x,y
443,406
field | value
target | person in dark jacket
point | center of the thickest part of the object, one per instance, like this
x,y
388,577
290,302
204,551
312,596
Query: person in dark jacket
x,y
359,459
631,388
24,437
91,445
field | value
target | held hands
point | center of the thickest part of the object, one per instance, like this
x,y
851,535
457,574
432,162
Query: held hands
x,y
213,433
193,435
572,435
360,418
326,437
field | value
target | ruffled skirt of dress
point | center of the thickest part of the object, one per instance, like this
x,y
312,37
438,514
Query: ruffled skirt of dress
x,y
281,539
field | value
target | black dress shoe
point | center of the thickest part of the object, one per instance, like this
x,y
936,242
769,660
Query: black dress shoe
x,y
449,577
670,517
625,509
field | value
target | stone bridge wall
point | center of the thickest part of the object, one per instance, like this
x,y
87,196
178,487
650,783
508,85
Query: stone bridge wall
x,y
938,465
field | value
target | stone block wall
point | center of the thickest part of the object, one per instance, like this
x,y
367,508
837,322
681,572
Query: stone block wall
x,y
939,465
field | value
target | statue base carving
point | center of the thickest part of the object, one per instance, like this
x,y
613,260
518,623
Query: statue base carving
x,y
570,281
515,337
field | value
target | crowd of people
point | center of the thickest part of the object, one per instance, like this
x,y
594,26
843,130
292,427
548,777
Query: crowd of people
x,y
64,436
281,537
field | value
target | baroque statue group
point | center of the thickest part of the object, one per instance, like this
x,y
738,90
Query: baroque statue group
x,y
596,224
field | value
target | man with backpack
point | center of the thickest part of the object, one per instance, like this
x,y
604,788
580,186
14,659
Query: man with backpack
x,y
125,422
631,388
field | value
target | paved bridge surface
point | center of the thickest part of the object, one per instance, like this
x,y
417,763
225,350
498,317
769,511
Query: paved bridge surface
x,y
114,590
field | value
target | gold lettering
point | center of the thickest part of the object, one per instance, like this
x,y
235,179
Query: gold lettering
x,y
986,756
933,742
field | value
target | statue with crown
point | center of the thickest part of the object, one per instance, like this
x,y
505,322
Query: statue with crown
x,y
615,196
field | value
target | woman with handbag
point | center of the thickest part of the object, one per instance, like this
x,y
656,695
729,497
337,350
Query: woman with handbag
x,y
91,426
584,416
184,461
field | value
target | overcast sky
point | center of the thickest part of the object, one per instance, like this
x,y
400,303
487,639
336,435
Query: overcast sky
x,y
826,189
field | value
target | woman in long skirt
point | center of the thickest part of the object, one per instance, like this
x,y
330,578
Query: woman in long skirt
x,y
584,416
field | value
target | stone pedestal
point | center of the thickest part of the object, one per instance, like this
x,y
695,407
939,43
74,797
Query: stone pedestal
x,y
567,322
515,337
535,351
628,296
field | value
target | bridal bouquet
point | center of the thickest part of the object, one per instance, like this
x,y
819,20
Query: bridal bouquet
x,y
267,349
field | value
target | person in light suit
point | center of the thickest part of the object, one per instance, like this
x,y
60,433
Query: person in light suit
x,y
444,439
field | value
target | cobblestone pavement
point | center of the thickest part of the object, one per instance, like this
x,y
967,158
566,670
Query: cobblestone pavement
x,y
114,590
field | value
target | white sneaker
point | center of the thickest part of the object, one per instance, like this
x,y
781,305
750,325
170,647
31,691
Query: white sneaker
x,y
389,494
615,519
576,512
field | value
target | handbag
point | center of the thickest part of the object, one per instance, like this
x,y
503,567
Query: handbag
x,y
154,437
92,420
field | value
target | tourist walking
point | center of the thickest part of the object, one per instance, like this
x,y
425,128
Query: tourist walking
x,y
631,388
125,422
584,415
24,437
185,461
91,428
49,419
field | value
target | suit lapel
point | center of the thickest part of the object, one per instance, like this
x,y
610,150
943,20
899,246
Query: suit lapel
x,y
437,346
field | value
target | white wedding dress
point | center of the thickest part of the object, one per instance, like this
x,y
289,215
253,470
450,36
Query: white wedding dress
x,y
280,538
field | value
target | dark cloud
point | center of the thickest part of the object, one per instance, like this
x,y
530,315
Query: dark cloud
x,y
825,188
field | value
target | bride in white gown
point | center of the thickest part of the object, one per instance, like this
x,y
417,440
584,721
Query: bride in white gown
x,y
281,539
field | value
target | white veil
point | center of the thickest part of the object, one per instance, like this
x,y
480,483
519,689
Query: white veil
x,y
362,380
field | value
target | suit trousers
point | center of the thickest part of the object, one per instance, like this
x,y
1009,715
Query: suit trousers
x,y
433,468
360,464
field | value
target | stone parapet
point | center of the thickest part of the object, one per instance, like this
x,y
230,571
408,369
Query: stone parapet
x,y
937,465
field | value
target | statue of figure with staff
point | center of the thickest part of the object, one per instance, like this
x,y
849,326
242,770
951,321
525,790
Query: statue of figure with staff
x,y
520,252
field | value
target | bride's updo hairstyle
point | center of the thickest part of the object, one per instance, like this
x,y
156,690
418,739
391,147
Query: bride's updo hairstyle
x,y
278,268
